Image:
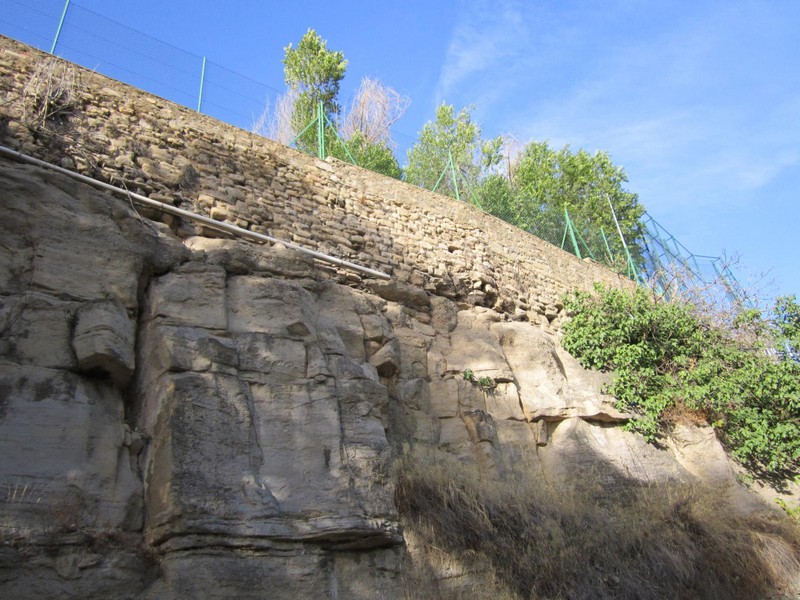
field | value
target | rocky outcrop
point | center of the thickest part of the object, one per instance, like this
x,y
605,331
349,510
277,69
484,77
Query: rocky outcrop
x,y
196,417
206,418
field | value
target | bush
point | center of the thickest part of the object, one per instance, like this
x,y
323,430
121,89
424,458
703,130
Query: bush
x,y
527,540
669,362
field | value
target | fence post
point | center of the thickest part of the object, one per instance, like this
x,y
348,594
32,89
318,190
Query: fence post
x,y
60,25
320,131
571,231
202,83
631,267
453,173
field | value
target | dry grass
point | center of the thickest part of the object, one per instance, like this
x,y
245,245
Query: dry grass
x,y
541,543
51,95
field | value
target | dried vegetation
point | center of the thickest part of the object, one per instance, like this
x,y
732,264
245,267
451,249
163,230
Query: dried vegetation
x,y
51,95
536,542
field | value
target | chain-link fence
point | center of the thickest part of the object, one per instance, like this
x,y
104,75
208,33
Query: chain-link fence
x,y
86,38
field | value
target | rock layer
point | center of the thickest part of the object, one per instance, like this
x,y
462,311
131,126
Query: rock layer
x,y
188,417
203,418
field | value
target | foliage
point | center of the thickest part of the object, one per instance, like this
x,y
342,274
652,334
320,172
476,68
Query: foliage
x,y
314,73
787,323
487,384
451,134
545,181
669,362
375,156
535,541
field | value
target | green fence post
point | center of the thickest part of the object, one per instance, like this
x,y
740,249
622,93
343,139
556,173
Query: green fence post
x,y
60,25
438,181
202,84
341,141
571,230
453,173
302,131
631,266
608,247
320,131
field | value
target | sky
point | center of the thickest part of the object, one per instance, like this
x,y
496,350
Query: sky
x,y
699,101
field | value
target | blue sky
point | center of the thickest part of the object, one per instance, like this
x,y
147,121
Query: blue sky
x,y
698,101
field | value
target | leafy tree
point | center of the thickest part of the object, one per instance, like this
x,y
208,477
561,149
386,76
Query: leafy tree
x,y
787,325
313,73
551,180
450,134
375,156
670,364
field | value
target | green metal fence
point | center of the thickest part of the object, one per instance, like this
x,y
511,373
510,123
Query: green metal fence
x,y
84,37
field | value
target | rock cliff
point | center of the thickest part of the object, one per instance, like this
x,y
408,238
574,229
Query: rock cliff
x,y
186,416
205,418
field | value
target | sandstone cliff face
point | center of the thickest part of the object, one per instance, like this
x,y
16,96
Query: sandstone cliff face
x,y
202,418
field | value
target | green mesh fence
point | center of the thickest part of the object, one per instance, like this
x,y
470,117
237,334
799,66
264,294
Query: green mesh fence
x,y
108,47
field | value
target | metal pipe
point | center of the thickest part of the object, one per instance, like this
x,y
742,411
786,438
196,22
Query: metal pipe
x,y
168,208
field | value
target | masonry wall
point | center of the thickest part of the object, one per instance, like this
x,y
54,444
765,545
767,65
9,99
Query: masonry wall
x,y
126,137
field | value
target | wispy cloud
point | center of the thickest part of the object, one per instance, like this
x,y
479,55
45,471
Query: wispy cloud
x,y
699,105
486,34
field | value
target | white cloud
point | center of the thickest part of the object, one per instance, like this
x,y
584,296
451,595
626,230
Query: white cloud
x,y
486,34
701,106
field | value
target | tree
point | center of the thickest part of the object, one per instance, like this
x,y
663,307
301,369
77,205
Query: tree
x,y
366,128
376,156
786,322
450,135
313,73
548,181
375,108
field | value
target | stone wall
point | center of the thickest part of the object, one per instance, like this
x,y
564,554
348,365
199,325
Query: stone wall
x,y
190,417
123,136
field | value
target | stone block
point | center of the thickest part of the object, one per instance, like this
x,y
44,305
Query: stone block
x,y
193,295
103,341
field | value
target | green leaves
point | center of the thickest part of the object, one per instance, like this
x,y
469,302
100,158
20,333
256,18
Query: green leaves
x,y
787,322
667,362
583,183
314,73
375,156
451,134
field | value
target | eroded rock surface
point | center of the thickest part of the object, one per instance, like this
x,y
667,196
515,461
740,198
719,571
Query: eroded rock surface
x,y
203,418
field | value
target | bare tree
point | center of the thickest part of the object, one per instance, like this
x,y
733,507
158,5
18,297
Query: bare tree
x,y
374,110
275,121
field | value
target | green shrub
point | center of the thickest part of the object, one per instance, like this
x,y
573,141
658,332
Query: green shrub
x,y
669,361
